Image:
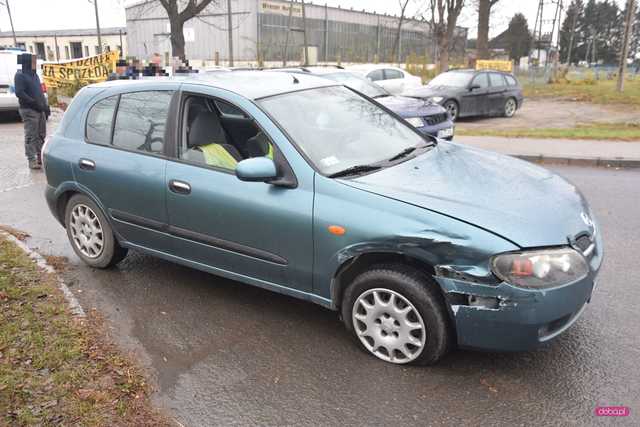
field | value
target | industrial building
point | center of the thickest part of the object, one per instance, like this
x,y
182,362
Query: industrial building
x,y
266,29
60,45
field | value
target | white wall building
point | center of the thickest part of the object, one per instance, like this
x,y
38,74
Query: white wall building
x,y
60,45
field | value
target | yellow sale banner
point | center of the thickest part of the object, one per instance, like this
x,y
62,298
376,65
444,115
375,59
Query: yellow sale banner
x,y
485,64
91,69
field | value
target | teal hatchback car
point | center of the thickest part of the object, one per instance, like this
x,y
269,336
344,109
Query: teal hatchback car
x,y
303,186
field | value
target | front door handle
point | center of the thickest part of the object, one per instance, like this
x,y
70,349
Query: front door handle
x,y
88,165
179,187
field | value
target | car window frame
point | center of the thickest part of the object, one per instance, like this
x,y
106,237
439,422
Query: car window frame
x,y
168,130
504,81
385,70
175,154
479,75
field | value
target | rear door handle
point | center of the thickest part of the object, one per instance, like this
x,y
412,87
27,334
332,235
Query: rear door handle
x,y
179,187
87,164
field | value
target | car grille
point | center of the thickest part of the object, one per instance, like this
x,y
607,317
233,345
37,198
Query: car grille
x,y
435,119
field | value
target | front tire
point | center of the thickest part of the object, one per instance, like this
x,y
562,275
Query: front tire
x,y
397,314
90,234
452,108
510,107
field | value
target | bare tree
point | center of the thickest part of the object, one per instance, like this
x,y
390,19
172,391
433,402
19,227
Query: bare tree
x,y
444,17
396,44
484,13
178,17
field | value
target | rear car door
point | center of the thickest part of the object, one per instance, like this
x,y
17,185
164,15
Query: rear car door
x,y
123,163
475,102
393,81
256,231
497,93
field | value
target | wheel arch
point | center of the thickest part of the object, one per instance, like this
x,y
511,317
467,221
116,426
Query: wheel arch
x,y
66,191
356,264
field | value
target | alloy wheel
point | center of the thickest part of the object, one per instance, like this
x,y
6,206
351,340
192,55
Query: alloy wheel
x,y
510,108
452,109
389,325
86,231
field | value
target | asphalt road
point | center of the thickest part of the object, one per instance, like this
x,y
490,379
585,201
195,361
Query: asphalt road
x,y
223,353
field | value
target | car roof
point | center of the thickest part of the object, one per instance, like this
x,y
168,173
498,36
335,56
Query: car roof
x,y
369,67
472,70
250,84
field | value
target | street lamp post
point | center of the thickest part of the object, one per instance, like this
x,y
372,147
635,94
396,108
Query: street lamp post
x,y
95,4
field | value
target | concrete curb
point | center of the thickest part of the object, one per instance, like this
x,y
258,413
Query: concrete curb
x,y
74,305
580,161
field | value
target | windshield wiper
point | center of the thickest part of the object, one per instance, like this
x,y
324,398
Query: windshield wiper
x,y
354,170
384,95
403,153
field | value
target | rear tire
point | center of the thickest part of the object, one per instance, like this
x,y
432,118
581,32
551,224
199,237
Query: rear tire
x,y
510,107
90,233
373,307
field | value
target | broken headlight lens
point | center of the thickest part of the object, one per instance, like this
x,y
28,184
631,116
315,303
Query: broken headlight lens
x,y
540,268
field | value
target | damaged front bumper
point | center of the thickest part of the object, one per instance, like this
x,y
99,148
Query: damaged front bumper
x,y
503,317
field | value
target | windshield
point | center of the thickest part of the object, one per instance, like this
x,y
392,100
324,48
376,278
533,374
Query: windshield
x,y
451,78
358,83
339,129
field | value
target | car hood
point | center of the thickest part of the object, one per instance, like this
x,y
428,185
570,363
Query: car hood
x,y
429,91
410,107
514,199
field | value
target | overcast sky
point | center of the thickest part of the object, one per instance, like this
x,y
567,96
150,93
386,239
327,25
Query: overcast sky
x,y
65,14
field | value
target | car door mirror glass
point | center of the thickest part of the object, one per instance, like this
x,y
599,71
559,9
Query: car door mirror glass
x,y
256,169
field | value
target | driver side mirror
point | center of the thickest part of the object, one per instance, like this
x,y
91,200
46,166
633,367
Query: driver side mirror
x,y
256,169
473,87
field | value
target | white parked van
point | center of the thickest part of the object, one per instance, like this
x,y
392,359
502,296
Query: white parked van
x,y
8,68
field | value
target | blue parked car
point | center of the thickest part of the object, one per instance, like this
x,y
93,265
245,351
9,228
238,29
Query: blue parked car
x,y
299,185
426,116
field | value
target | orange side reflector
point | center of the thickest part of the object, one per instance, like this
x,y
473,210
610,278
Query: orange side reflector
x,y
337,230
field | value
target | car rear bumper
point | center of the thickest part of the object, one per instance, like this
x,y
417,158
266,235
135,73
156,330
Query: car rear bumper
x,y
9,102
506,318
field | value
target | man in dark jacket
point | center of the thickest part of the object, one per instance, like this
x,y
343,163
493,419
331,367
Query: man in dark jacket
x,y
34,109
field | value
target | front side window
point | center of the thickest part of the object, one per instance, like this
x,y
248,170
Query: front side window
x,y
511,81
99,120
481,80
451,79
376,75
390,73
338,129
141,119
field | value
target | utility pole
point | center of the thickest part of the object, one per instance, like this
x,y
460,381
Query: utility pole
x,y
574,22
13,32
628,22
95,5
306,45
230,24
286,39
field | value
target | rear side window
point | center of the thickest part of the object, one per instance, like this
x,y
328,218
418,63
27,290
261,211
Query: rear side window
x,y
99,121
496,79
511,81
376,75
141,121
390,73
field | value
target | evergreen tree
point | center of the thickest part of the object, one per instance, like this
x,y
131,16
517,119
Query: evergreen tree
x,y
518,37
570,36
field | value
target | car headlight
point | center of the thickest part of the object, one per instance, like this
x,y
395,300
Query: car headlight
x,y
540,268
416,122
436,99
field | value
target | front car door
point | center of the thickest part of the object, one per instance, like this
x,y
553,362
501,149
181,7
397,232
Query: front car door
x,y
497,93
123,162
252,231
475,101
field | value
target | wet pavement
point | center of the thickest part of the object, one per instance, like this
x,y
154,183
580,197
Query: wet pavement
x,y
224,353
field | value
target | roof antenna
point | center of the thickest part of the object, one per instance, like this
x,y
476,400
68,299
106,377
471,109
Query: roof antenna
x,y
295,80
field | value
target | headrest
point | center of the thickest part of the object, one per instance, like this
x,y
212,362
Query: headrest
x,y
205,129
258,145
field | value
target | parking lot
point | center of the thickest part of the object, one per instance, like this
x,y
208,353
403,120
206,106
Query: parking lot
x,y
221,353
